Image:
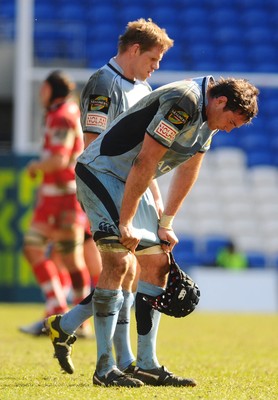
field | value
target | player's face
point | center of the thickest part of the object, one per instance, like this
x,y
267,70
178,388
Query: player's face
x,y
45,94
224,120
147,62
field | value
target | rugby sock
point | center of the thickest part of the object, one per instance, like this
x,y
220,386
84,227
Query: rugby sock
x,y
47,276
65,280
77,315
81,283
122,344
147,326
106,307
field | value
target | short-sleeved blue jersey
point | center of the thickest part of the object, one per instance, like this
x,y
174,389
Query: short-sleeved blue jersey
x,y
174,115
106,95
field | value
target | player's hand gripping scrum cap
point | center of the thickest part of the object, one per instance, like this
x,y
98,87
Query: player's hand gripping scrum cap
x,y
181,295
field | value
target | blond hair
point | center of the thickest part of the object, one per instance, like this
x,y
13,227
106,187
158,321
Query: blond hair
x,y
145,33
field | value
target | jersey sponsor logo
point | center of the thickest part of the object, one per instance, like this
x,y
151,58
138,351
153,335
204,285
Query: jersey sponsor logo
x,y
166,131
163,167
177,116
96,120
99,103
106,227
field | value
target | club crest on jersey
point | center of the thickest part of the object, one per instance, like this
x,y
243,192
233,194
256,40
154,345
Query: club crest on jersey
x,y
166,131
177,116
99,103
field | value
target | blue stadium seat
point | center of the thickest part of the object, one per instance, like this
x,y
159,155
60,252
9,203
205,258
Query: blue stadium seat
x,y
275,158
186,15
202,52
211,247
274,261
187,243
231,52
71,11
225,15
273,143
100,53
100,13
186,252
168,64
44,12
213,244
193,35
46,30
174,56
132,13
222,139
258,157
173,31
250,4
8,9
261,55
258,36
207,66
251,142
163,15
188,261
46,50
73,41
265,67
126,3
270,124
228,35
103,33
269,106
254,17
236,66
256,259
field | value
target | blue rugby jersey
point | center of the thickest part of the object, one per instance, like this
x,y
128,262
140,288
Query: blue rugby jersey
x,y
173,114
106,95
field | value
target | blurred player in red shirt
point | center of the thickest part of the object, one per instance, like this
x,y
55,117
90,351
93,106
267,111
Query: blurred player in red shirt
x,y
58,218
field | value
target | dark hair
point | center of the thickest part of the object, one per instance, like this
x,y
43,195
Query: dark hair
x,y
60,83
241,95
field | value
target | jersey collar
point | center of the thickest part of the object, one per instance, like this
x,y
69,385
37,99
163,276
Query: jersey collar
x,y
116,68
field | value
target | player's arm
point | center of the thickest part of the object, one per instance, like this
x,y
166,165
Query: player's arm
x,y
139,178
89,137
157,197
182,181
54,162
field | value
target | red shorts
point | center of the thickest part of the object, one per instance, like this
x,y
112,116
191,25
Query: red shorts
x,y
59,212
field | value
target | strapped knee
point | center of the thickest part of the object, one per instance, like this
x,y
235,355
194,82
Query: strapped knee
x,y
35,238
107,302
67,246
110,244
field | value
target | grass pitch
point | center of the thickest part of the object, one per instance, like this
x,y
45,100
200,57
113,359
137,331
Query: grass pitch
x,y
232,357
